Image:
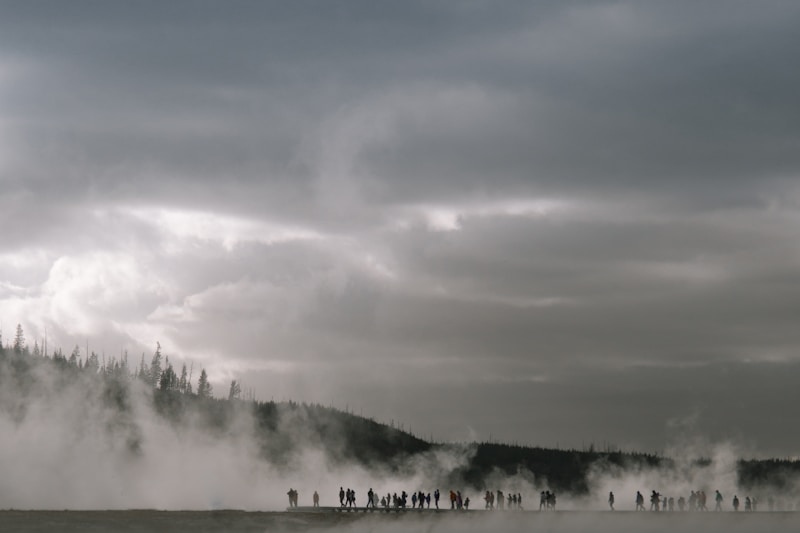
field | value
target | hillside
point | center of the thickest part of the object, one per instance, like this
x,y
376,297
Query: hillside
x,y
114,398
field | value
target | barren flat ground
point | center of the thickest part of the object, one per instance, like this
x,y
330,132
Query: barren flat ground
x,y
446,522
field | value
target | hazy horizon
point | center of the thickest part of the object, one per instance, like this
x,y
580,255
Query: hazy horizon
x,y
76,439
552,223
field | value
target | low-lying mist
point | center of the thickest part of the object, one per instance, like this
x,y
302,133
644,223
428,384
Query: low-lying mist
x,y
71,440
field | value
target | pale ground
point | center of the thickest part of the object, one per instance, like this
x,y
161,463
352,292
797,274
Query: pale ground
x,y
444,522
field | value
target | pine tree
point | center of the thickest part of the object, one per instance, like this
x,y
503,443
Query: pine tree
x,y
235,391
155,367
92,364
144,373
184,380
169,380
203,386
75,356
19,341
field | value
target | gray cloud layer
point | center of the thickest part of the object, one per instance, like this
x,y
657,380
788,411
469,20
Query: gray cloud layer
x,y
520,220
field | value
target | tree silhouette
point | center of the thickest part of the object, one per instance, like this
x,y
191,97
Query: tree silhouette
x,y
235,391
144,373
75,357
155,367
168,380
19,341
92,363
184,380
203,386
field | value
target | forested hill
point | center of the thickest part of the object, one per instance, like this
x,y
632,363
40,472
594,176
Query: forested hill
x,y
112,394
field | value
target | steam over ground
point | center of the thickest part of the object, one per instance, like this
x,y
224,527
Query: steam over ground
x,y
74,441
66,445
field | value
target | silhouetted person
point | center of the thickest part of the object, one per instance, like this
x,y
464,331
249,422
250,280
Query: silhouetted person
x,y
466,504
316,499
718,500
436,497
681,503
639,501
611,500
735,503
654,501
341,497
747,504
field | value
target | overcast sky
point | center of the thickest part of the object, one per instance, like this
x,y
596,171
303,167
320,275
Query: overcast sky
x,y
554,223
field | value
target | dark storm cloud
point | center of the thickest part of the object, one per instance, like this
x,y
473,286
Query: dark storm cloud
x,y
613,94
488,204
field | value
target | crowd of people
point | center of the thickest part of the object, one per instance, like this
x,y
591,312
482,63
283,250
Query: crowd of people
x,y
418,500
547,500
696,502
424,500
500,500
